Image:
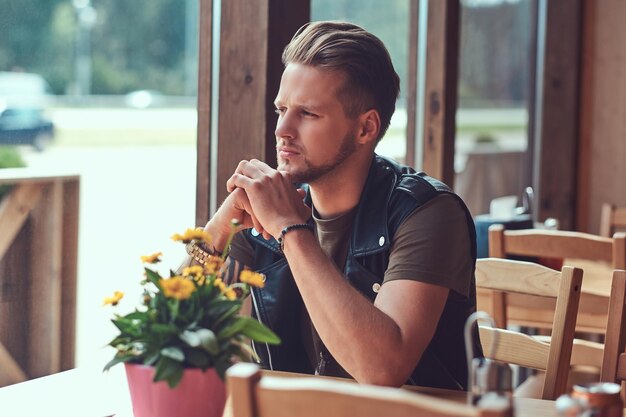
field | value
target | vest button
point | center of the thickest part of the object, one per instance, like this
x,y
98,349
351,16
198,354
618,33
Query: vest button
x,y
376,287
381,241
254,232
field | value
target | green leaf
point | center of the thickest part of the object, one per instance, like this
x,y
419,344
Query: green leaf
x,y
163,329
226,315
168,370
173,352
208,341
232,329
258,332
127,326
198,358
117,359
190,337
221,365
153,277
137,315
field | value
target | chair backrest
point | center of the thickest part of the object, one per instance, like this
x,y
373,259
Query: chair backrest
x,y
253,394
614,359
510,277
557,244
611,219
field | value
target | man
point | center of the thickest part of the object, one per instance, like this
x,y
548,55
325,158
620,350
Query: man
x,y
369,266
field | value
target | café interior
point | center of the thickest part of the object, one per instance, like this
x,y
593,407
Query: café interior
x,y
557,316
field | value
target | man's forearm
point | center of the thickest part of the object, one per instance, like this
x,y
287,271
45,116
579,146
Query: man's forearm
x,y
365,341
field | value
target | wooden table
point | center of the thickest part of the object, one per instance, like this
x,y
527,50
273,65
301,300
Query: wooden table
x,y
592,310
90,393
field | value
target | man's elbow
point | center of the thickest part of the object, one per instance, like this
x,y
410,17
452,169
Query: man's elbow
x,y
388,376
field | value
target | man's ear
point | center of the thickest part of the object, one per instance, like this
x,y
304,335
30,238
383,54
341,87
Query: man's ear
x,y
369,126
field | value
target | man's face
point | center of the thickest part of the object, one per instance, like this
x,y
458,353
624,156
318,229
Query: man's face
x,y
313,134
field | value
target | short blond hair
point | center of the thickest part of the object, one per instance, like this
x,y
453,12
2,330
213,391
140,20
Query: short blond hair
x,y
371,81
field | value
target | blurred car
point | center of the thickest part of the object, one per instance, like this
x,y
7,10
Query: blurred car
x,y
24,98
142,99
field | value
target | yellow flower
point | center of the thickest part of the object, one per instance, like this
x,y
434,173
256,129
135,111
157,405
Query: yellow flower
x,y
252,278
177,287
152,259
230,294
219,283
117,296
196,271
213,265
193,234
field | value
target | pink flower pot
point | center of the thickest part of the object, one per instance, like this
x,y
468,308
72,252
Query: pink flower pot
x,y
199,394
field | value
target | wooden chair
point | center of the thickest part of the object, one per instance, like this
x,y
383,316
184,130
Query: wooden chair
x,y
601,254
614,359
561,290
557,244
611,219
255,395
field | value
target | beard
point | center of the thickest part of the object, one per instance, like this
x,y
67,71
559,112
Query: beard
x,y
312,172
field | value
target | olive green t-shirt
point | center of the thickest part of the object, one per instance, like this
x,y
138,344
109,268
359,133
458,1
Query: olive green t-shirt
x,y
432,245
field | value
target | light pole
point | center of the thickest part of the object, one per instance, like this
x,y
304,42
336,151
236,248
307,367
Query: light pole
x,y
86,17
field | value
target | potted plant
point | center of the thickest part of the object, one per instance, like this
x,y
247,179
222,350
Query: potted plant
x,y
177,346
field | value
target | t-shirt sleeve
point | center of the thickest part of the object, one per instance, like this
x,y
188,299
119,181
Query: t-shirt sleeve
x,y
433,245
241,250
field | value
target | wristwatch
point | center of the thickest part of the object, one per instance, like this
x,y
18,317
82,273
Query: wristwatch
x,y
199,252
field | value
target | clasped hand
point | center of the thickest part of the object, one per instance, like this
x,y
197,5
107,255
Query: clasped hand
x,y
265,198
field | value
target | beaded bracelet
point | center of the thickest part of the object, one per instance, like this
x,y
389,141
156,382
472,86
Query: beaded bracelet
x,y
281,239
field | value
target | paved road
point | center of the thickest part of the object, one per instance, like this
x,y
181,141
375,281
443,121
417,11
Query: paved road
x,y
132,200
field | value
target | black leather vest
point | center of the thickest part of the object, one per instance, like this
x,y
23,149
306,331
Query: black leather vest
x,y
391,193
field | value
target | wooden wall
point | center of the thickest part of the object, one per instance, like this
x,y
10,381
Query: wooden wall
x,y
602,146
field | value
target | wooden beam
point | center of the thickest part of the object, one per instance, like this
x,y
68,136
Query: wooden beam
x,y
442,56
14,209
69,272
557,124
243,86
601,167
44,347
203,163
253,35
10,371
411,94
285,18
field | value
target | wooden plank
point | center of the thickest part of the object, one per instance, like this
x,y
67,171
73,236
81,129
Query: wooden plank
x,y
44,327
411,93
285,17
514,347
69,272
14,209
585,126
558,244
253,35
615,335
606,219
241,380
557,125
521,277
563,334
603,127
14,290
243,86
442,56
10,371
203,148
619,217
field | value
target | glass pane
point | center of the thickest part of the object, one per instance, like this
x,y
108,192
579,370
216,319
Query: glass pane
x,y
390,22
495,67
121,114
